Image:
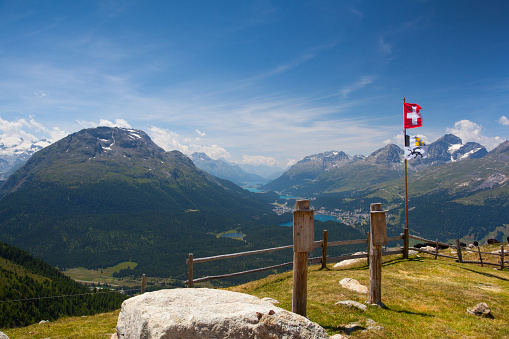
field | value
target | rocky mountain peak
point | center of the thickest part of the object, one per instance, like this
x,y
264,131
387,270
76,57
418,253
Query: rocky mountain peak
x,y
390,154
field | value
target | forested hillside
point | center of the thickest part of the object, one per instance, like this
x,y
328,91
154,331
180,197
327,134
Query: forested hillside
x,y
31,291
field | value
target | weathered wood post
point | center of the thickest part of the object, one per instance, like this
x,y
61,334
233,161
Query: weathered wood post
x,y
378,237
324,249
480,256
368,248
143,283
436,249
458,250
303,242
406,243
502,257
190,274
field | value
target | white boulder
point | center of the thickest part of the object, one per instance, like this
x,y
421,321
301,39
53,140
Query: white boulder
x,y
209,313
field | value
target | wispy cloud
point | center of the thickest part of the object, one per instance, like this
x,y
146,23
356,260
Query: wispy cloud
x,y
384,47
358,85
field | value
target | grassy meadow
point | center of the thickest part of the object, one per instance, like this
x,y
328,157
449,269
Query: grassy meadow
x,y
424,298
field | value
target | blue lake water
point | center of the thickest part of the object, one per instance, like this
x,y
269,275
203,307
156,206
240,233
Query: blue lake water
x,y
319,217
252,189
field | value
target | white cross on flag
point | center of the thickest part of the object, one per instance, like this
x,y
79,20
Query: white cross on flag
x,y
412,115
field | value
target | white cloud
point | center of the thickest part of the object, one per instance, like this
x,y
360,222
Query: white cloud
x,y
470,131
503,120
167,139
103,122
20,132
213,151
201,134
170,140
118,123
291,163
258,160
39,94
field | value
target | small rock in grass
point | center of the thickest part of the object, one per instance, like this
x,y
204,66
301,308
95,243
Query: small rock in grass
x,y
353,285
481,310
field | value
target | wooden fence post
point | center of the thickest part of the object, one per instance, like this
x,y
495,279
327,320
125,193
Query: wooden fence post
x,y
369,251
303,242
143,282
436,249
502,257
458,250
480,256
406,243
190,275
378,237
324,249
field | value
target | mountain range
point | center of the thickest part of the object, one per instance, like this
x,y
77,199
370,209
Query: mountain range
x,y
335,171
107,195
459,191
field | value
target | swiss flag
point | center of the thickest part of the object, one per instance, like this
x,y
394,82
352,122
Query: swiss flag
x,y
412,115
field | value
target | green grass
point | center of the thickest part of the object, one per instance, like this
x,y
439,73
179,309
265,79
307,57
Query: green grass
x,y
425,298
101,275
99,326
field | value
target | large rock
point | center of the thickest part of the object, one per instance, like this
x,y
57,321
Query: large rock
x,y
353,285
3,335
209,313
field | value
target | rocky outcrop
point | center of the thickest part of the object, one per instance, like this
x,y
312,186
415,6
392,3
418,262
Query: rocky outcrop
x,y
209,313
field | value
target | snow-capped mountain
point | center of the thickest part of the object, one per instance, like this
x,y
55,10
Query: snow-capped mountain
x,y
14,152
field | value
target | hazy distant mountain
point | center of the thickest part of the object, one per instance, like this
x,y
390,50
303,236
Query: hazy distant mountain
x,y
309,169
106,195
266,172
333,172
224,170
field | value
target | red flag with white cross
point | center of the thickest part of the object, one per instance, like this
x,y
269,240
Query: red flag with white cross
x,y
412,116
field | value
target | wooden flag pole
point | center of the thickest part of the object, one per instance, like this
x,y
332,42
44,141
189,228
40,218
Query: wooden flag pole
x,y
405,234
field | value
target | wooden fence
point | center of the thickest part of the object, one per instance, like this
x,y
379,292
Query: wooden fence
x,y
459,252
324,259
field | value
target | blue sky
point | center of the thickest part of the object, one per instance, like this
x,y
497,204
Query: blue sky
x,y
264,82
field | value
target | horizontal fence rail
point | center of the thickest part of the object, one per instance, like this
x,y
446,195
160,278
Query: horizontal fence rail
x,y
459,251
240,254
324,259
316,260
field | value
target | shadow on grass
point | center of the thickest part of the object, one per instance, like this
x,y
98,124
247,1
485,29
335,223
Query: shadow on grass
x,y
483,273
409,312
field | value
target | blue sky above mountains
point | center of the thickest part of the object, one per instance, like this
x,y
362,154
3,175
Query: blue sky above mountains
x,y
256,81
